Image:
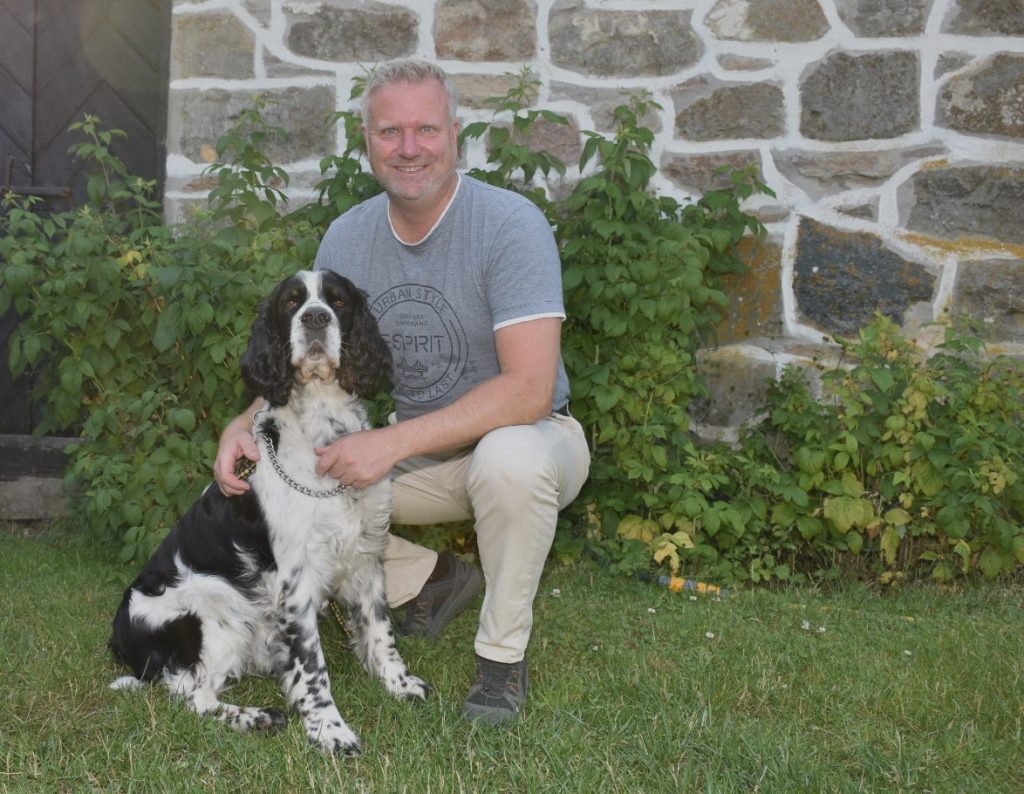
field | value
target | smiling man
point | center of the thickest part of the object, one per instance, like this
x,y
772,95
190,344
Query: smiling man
x,y
465,282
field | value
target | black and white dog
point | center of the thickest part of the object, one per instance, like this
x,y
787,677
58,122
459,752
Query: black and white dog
x,y
236,586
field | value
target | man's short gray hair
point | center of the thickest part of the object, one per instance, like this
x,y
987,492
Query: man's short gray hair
x,y
408,71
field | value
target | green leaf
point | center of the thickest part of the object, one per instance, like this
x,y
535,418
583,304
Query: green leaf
x,y
897,517
890,545
846,512
852,485
783,515
883,379
810,527
184,419
810,461
991,563
927,479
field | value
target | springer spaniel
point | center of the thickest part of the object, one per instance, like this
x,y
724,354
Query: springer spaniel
x,y
236,586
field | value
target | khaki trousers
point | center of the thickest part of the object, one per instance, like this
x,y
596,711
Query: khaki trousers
x,y
512,485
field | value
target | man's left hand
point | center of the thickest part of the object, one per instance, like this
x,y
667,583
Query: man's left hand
x,y
358,459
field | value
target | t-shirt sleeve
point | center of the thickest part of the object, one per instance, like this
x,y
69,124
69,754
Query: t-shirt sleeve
x,y
524,274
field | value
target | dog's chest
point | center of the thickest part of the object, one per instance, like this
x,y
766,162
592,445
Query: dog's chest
x,y
322,534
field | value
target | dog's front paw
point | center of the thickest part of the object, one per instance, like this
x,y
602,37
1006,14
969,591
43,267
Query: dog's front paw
x,y
409,687
335,738
271,720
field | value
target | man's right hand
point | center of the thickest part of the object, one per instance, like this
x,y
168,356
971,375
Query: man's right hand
x,y
236,442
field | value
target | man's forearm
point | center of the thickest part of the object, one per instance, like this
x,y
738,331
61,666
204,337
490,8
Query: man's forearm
x,y
493,404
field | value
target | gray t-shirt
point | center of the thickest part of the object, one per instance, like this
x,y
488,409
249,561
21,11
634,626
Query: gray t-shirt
x,y
490,261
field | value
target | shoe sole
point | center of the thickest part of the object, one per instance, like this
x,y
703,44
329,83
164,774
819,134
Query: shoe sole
x,y
484,715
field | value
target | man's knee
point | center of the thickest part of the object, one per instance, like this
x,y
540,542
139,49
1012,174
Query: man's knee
x,y
508,458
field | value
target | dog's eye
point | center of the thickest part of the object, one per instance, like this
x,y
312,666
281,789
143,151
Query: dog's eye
x,y
291,304
338,303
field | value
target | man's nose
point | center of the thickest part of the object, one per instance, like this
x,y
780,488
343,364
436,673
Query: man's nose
x,y
408,145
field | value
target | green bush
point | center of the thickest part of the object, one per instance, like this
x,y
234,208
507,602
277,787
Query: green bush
x,y
134,332
910,464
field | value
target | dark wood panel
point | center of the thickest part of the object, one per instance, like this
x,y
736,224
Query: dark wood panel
x,y
104,60
54,166
19,9
16,46
16,118
141,24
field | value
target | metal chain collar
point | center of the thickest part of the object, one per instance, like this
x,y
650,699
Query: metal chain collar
x,y
272,454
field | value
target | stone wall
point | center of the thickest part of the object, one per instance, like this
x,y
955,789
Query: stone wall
x,y
892,132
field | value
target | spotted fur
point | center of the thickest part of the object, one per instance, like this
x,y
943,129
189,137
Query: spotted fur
x,y
237,585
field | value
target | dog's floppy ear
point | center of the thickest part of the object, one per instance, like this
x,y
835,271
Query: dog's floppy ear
x,y
266,364
366,364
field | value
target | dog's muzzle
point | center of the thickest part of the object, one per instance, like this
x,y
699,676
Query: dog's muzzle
x,y
316,362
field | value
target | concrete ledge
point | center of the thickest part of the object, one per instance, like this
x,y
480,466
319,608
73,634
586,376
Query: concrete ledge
x,y
32,477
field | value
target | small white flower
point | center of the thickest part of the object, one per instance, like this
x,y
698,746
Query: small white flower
x,y
556,593
908,653
806,625
651,611
710,635
821,629
693,598
594,648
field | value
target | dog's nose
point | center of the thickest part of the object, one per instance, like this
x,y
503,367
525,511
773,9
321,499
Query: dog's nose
x,y
316,318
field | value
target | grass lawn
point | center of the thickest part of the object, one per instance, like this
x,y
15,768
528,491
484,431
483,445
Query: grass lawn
x,y
633,689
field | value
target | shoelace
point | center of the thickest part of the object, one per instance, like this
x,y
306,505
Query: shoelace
x,y
496,680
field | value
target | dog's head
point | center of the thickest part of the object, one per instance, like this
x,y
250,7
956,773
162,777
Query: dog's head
x,y
315,326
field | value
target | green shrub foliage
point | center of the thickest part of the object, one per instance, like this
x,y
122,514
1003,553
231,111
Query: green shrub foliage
x,y
133,331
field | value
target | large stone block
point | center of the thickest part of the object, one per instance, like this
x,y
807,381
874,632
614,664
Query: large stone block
x,y
602,103
755,309
849,97
954,202
841,279
211,45
821,174
338,31
476,90
560,140
197,118
986,18
737,386
767,20
621,43
992,291
988,99
709,110
485,30
700,172
881,18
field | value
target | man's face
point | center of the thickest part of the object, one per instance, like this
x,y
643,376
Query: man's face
x,y
412,141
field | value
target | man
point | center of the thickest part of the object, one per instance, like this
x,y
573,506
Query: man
x,y
465,282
